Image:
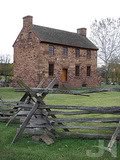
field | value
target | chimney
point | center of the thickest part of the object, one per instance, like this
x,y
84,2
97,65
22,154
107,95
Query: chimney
x,y
82,31
27,22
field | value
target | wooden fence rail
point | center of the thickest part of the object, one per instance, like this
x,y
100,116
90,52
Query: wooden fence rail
x,y
50,121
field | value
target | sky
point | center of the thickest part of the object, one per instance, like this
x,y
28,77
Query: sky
x,y
60,14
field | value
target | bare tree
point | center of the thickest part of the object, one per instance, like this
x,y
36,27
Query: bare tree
x,y
106,35
114,70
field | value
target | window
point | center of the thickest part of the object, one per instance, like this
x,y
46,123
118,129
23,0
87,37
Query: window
x,y
77,52
30,35
77,70
51,69
88,54
51,50
65,51
88,70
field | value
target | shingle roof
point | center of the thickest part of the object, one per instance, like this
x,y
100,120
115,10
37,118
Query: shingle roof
x,y
61,37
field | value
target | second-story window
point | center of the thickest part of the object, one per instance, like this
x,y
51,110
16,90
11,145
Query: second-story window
x,y
65,51
77,52
51,50
77,70
30,35
88,54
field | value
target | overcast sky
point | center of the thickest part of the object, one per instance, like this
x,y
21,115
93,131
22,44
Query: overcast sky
x,y
61,14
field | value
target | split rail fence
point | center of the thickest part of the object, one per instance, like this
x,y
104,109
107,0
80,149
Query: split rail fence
x,y
47,122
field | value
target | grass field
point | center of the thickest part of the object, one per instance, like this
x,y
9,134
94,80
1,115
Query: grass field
x,y
62,149
95,99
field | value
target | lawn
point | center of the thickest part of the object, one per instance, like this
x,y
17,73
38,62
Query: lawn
x,y
62,149
95,99
9,94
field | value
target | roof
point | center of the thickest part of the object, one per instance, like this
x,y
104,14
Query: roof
x,y
56,36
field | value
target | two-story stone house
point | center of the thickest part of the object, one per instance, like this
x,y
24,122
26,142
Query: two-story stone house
x,y
42,53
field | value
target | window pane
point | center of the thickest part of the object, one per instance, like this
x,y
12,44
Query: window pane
x,y
88,54
51,50
88,70
65,51
51,69
77,70
77,52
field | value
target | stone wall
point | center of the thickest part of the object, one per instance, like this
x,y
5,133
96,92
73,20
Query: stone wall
x,y
31,61
60,61
26,58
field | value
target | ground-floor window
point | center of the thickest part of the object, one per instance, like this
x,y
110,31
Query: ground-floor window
x,y
51,69
77,70
88,70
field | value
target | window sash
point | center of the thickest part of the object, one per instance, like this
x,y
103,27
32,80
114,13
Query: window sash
x,y
88,70
51,69
65,51
77,70
88,54
51,50
77,52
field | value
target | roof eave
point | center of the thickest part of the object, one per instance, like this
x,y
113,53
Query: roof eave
x,y
73,46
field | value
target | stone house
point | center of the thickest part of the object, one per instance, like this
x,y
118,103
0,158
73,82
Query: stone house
x,y
42,53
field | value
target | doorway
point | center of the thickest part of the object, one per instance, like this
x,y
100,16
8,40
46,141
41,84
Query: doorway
x,y
64,75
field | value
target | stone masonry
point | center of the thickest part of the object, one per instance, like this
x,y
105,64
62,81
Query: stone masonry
x,y
32,59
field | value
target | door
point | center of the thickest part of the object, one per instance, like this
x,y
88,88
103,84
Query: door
x,y
64,75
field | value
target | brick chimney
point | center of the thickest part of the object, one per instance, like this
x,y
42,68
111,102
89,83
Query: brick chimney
x,y
27,22
82,31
